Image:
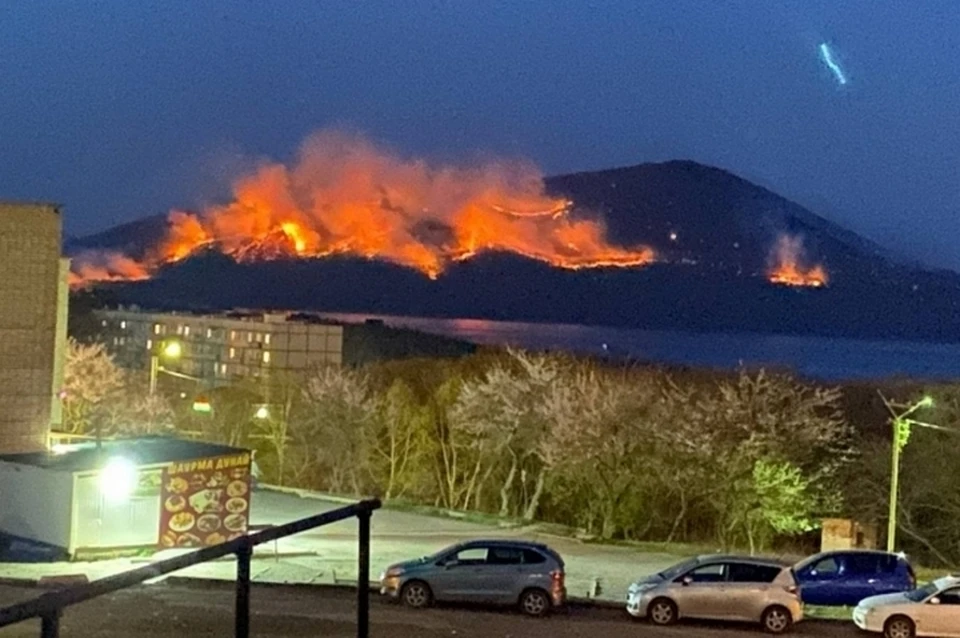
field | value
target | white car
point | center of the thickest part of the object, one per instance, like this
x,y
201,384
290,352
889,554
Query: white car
x,y
931,610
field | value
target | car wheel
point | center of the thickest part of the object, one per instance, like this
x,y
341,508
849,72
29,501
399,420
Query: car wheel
x,y
899,627
662,611
534,602
416,594
777,620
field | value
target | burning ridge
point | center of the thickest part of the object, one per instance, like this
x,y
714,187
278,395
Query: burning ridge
x,y
789,265
346,195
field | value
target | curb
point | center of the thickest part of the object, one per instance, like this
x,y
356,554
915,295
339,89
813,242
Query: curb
x,y
189,582
307,494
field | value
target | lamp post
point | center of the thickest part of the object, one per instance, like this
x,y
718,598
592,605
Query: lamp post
x,y
168,350
901,422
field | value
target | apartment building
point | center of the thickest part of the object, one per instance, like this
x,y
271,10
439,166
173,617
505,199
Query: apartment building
x,y
216,348
32,323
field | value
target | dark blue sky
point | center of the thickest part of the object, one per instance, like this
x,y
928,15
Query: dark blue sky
x,y
124,108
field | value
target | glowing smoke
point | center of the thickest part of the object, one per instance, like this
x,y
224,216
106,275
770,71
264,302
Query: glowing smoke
x,y
346,195
789,265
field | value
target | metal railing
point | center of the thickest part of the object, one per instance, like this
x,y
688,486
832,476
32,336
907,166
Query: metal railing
x,y
49,606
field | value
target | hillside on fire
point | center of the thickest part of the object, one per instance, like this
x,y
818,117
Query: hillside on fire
x,y
674,245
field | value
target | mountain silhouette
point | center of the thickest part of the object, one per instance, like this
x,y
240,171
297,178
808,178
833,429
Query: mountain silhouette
x,y
713,232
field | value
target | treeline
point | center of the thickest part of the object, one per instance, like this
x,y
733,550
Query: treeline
x,y
742,460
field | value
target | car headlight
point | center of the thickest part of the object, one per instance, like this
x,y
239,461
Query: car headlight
x,y
393,572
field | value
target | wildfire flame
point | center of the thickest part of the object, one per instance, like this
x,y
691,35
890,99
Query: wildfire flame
x,y
346,195
788,266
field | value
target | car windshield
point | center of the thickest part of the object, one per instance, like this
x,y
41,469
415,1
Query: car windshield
x,y
922,593
675,570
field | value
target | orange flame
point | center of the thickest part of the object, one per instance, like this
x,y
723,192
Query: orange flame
x,y
345,195
788,268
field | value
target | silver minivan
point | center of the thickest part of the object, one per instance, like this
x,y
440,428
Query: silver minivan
x,y
504,572
716,587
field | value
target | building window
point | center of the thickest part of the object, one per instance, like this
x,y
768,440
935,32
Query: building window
x,y
249,337
259,337
179,328
266,338
233,352
123,340
156,328
186,331
149,344
209,332
266,356
103,323
223,369
233,335
123,325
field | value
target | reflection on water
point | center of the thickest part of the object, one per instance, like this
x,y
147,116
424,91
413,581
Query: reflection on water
x,y
820,357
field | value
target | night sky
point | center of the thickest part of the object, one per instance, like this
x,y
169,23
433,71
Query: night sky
x,y
121,109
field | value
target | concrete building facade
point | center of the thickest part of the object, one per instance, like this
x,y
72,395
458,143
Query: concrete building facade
x,y
217,348
32,291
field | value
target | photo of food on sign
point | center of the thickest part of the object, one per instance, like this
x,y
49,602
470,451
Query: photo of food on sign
x,y
204,501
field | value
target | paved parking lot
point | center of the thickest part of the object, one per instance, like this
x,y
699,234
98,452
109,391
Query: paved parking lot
x,y
177,610
398,535
328,555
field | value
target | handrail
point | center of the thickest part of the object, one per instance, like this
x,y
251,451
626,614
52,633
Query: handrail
x,y
49,606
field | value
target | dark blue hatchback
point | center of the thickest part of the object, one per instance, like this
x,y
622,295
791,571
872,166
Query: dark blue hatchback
x,y
846,577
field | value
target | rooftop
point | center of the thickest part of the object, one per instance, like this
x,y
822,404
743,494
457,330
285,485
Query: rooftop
x,y
153,450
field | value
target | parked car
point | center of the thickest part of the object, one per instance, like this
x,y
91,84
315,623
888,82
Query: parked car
x,y
848,576
530,575
719,587
931,610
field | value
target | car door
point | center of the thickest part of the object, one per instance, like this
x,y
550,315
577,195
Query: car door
x,y
820,582
746,592
941,618
503,574
699,593
459,576
860,577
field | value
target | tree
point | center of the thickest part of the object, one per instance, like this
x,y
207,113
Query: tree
x,y
501,412
601,424
132,411
90,377
775,499
230,421
281,399
329,450
929,498
766,419
398,440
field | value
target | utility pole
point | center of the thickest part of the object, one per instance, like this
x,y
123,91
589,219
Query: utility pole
x,y
154,371
901,422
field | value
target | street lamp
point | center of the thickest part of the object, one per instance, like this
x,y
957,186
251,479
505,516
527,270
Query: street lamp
x,y
263,412
168,350
901,422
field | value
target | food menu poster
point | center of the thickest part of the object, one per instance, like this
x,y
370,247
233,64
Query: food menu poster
x,y
205,501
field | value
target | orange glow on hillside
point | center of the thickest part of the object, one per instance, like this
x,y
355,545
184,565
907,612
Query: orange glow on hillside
x,y
345,195
787,265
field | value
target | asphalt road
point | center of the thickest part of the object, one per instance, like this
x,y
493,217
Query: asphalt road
x,y
398,535
186,611
274,508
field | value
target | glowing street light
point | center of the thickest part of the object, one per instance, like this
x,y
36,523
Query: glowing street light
x,y
901,422
262,413
118,479
169,350
172,350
